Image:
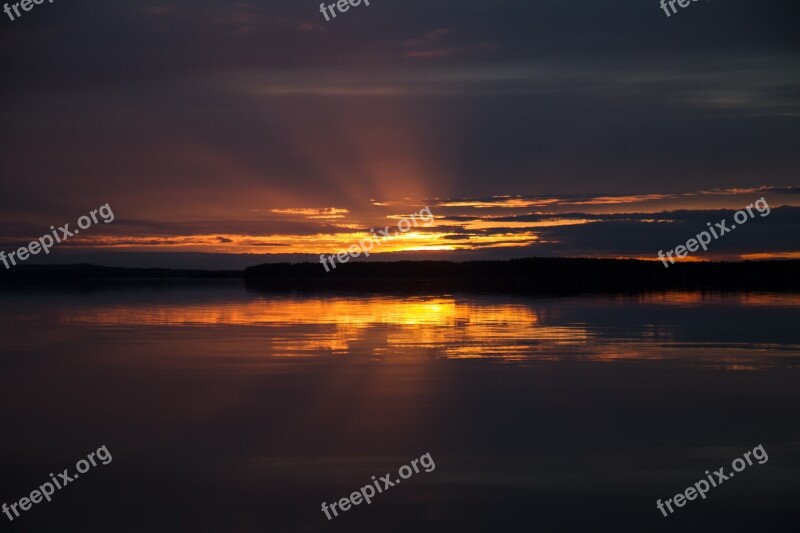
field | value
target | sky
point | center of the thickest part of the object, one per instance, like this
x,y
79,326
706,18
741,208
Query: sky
x,y
225,134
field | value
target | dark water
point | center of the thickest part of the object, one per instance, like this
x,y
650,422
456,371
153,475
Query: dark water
x,y
237,411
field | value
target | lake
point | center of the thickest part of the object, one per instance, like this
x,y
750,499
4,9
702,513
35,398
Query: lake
x,y
231,409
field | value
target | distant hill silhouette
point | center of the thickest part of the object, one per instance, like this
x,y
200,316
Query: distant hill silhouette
x,y
88,272
519,276
532,275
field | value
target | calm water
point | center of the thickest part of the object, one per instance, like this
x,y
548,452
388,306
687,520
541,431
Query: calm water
x,y
233,410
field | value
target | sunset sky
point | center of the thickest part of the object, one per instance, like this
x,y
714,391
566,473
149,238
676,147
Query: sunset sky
x,y
218,131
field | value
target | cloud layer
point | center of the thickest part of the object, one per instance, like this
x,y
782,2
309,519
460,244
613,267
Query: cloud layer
x,y
235,127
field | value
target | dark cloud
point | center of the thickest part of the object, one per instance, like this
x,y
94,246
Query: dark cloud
x,y
778,232
188,115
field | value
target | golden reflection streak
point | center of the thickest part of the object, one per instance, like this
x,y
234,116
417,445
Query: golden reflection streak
x,y
696,298
433,326
457,329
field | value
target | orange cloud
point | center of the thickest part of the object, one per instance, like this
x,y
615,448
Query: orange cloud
x,y
314,212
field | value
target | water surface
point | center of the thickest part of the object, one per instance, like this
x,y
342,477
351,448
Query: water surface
x,y
227,409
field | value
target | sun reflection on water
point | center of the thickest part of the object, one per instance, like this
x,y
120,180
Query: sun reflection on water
x,y
445,327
